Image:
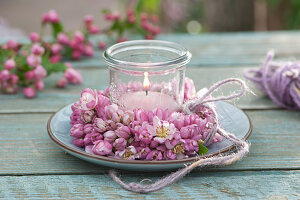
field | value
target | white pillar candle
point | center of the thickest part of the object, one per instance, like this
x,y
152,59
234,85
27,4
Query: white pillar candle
x,y
151,101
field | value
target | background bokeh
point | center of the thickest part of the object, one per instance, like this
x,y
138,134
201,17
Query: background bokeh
x,y
192,16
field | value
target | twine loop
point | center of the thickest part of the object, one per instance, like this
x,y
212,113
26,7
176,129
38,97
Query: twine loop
x,y
188,108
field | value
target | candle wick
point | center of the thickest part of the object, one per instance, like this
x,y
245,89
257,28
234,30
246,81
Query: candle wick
x,y
146,92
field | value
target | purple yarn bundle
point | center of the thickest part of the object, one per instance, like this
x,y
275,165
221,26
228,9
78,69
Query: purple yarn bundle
x,y
280,81
189,108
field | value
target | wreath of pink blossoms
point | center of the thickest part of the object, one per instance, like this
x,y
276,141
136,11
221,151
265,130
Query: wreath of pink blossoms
x,y
104,129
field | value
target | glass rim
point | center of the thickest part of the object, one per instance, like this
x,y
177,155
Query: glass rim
x,y
182,59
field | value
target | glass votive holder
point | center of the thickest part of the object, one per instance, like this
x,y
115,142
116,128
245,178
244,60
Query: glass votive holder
x,y
147,74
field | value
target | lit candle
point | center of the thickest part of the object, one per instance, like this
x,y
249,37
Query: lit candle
x,y
148,100
146,82
147,74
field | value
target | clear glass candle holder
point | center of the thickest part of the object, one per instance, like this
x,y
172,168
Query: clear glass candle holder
x,y
147,74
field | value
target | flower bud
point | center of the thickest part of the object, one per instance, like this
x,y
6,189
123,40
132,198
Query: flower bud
x,y
110,136
77,131
34,37
61,83
29,92
10,64
120,144
102,147
39,85
123,132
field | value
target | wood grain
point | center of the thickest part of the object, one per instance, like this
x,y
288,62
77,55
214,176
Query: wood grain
x,y
205,185
51,99
224,49
218,49
27,149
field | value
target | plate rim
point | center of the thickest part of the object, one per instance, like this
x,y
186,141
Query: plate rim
x,y
140,162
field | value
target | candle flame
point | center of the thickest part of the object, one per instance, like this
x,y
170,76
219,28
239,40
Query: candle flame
x,y
146,83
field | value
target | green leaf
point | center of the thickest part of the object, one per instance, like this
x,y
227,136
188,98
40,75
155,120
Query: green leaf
x,y
139,6
52,68
57,28
202,149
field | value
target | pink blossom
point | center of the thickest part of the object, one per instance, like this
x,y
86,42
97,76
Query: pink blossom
x,y
56,48
89,50
45,18
88,99
102,45
91,138
53,16
100,125
88,149
189,89
10,64
61,83
155,30
140,115
78,37
110,110
190,145
8,88
94,29
40,72
143,152
130,16
88,128
177,119
4,75
55,58
153,144
14,79
120,144
34,37
78,142
77,131
73,76
37,49
102,147
88,20
128,117
191,132
170,155
88,116
110,136
161,114
33,60
29,92
161,130
76,55
123,132
129,153
39,85
154,155
12,44
30,75
63,39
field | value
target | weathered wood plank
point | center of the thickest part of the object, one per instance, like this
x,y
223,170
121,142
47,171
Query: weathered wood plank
x,y
220,49
225,49
206,185
52,98
27,149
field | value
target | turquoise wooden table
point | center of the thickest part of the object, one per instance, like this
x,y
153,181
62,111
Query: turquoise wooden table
x,y
33,167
